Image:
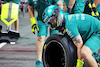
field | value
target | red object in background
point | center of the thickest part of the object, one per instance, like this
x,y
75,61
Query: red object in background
x,y
21,7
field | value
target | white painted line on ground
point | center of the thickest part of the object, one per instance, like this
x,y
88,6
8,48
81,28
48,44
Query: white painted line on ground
x,y
2,44
12,42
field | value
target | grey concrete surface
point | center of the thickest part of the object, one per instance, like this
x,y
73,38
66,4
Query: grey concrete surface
x,y
23,53
17,55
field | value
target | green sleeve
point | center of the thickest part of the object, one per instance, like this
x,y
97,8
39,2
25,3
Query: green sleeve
x,y
72,31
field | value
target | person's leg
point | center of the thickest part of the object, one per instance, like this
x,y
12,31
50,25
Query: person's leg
x,y
9,27
39,47
16,24
40,42
87,55
91,46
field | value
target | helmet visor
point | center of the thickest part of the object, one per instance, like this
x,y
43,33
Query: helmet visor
x,y
53,20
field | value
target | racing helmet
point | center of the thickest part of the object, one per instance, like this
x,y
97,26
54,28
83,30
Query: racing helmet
x,y
53,16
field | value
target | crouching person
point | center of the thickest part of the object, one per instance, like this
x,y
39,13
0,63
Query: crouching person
x,y
83,29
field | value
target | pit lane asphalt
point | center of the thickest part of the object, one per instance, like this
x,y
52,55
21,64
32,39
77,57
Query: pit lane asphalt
x,y
23,53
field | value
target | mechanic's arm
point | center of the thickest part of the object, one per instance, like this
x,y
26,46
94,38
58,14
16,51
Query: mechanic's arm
x,y
31,11
32,19
64,7
78,42
60,4
70,6
96,2
71,3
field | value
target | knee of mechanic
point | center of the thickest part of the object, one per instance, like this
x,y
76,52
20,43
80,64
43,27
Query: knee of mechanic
x,y
41,38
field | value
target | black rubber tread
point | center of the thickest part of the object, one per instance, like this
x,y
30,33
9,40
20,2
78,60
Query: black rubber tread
x,y
67,46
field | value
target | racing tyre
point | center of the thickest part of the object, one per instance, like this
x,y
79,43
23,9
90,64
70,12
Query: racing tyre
x,y
59,51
